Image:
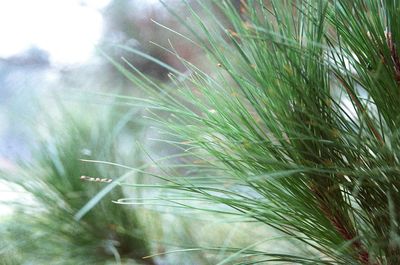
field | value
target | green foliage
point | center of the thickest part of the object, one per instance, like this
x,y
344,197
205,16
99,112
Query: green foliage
x,y
297,127
43,229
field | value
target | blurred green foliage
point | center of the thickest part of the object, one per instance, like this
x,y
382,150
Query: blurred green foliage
x,y
43,229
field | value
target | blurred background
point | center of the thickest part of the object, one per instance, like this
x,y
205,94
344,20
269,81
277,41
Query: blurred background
x,y
49,47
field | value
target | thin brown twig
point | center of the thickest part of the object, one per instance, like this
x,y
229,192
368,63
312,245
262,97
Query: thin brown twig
x,y
362,110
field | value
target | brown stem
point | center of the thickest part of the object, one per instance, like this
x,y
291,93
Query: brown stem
x,y
394,55
338,221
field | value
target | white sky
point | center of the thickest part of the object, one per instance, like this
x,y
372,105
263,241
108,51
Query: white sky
x,y
67,29
64,28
